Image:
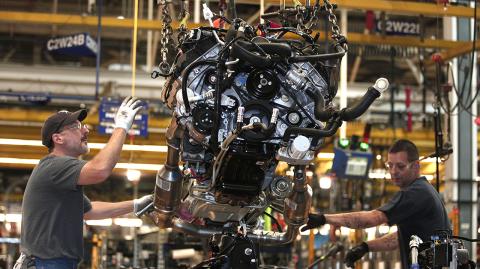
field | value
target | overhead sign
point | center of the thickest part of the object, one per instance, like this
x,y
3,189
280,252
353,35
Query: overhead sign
x,y
398,27
78,45
108,110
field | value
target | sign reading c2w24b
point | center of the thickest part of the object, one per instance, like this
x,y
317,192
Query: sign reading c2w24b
x,y
81,44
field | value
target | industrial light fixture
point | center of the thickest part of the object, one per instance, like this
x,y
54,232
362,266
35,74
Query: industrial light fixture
x,y
99,222
133,175
325,182
138,166
127,147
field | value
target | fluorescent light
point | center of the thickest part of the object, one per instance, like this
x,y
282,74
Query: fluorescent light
x,y
428,177
20,142
13,217
383,229
133,175
127,147
18,161
325,182
138,166
371,233
325,155
429,160
99,222
127,222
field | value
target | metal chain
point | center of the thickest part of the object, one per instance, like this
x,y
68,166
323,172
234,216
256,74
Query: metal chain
x,y
333,20
166,36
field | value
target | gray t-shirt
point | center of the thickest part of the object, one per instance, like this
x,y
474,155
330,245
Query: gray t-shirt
x,y
53,208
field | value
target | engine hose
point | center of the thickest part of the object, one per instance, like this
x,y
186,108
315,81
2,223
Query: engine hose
x,y
281,49
316,58
351,113
320,113
186,72
217,103
310,132
250,57
319,57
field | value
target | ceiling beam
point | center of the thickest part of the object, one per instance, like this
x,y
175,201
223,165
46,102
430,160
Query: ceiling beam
x,y
393,7
25,115
112,22
67,19
457,51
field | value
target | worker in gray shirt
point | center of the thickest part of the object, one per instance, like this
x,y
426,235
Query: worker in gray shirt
x,y
54,205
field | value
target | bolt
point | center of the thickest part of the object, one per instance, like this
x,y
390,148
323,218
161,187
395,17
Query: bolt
x,y
293,118
285,98
282,186
254,119
283,126
261,75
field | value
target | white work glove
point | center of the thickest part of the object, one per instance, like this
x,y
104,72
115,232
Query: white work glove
x,y
143,205
126,113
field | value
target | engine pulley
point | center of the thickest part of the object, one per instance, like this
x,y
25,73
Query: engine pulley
x,y
262,84
203,119
256,111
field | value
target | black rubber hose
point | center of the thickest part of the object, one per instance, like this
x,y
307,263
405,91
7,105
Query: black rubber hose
x,y
351,113
217,103
310,132
254,59
281,49
186,72
320,113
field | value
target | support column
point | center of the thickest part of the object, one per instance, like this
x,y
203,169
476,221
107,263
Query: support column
x,y
461,169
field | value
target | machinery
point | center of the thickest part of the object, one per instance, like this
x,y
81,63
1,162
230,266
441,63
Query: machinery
x,y
443,251
244,99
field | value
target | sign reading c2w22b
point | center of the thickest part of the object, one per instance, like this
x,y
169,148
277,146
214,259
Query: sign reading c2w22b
x,y
77,45
108,110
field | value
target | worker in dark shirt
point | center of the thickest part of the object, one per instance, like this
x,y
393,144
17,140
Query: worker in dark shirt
x,y
54,206
416,209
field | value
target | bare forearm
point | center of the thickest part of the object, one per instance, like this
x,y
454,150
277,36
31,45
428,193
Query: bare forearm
x,y
108,157
384,243
103,210
357,220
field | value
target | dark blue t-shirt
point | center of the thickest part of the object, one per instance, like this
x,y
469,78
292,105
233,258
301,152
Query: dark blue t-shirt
x,y
52,210
416,210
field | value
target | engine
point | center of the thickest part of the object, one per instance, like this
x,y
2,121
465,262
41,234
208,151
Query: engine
x,y
243,100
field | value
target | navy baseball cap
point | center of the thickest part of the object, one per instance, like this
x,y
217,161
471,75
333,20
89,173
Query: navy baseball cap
x,y
55,122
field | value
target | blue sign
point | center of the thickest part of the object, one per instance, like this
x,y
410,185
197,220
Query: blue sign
x,y
77,45
108,110
351,164
397,27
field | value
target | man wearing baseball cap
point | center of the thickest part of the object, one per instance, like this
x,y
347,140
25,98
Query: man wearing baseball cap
x,y
54,205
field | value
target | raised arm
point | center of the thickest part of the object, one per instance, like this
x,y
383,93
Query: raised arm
x,y
100,167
